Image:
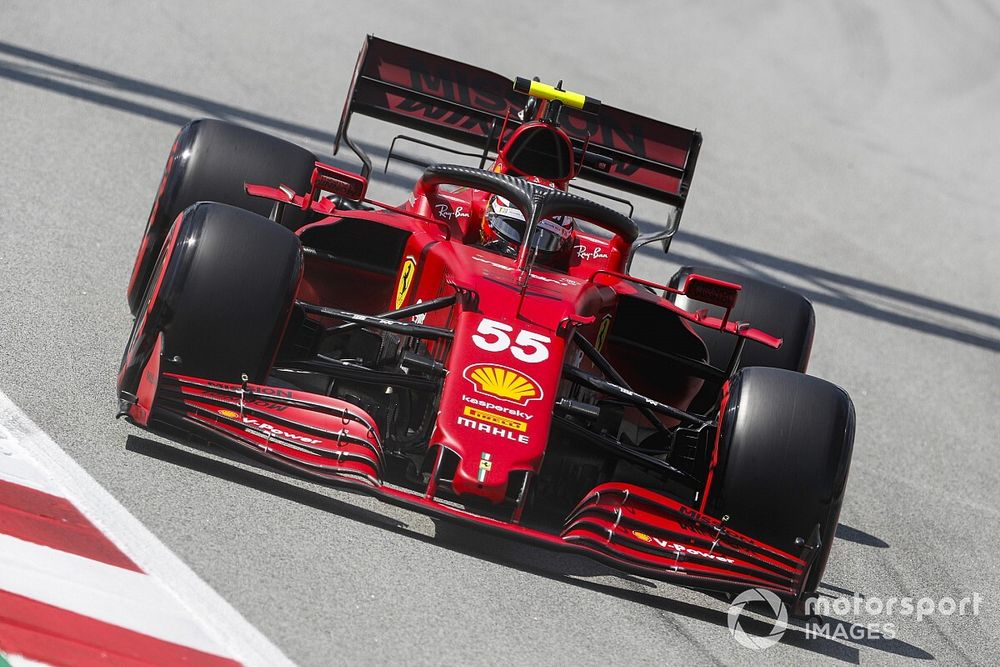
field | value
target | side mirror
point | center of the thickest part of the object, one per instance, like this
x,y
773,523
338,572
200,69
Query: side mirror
x,y
325,178
345,184
712,291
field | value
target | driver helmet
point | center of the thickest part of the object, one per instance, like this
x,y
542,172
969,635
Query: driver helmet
x,y
504,226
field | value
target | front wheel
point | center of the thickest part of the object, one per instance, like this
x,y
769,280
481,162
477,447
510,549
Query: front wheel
x,y
210,161
783,454
221,294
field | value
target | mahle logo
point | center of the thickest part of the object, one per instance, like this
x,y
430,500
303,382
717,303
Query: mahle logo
x,y
757,642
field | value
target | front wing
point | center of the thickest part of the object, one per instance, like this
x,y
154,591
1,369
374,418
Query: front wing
x,y
628,527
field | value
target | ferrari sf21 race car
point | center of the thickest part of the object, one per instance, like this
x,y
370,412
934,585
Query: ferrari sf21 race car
x,y
481,353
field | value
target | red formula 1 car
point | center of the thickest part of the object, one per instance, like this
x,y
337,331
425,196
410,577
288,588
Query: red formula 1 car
x,y
481,353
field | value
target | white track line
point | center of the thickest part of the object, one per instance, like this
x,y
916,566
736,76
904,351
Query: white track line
x,y
29,457
131,600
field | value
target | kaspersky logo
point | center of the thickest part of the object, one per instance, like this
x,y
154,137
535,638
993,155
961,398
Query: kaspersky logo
x,y
502,382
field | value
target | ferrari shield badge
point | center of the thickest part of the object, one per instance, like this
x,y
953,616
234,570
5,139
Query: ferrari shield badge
x,y
405,280
485,465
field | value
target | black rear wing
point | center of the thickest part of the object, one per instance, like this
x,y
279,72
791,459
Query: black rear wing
x,y
467,104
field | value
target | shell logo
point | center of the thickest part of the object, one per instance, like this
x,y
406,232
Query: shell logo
x,y
502,382
231,414
641,536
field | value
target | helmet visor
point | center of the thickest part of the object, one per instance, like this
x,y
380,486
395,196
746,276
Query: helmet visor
x,y
509,224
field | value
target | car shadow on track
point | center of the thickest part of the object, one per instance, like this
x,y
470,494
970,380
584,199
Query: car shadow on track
x,y
237,472
860,537
104,87
564,568
163,104
847,292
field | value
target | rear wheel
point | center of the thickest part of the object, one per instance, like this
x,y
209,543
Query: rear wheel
x,y
784,452
221,294
210,161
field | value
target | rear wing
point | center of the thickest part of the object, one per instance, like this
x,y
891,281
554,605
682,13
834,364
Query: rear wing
x,y
469,105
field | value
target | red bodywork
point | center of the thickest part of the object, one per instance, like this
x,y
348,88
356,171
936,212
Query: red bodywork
x,y
497,397
512,329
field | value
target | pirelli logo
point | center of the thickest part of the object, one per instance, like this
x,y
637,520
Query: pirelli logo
x,y
492,418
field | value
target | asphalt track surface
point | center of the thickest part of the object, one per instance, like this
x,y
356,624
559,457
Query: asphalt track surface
x,y
851,150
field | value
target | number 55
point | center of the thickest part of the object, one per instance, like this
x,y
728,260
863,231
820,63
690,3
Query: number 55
x,y
529,347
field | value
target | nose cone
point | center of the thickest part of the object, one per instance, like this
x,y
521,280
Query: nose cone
x,y
497,401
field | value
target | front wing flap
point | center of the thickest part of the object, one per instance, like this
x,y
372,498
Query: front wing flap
x,y
651,530
315,434
628,527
